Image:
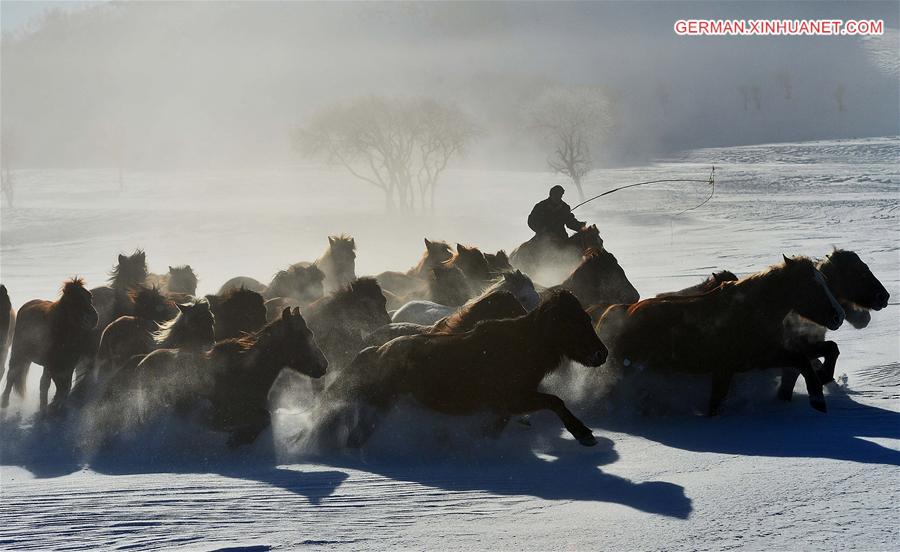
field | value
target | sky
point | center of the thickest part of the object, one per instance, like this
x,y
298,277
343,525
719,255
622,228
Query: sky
x,y
186,83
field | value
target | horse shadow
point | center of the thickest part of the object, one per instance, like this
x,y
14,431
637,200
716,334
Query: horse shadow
x,y
789,430
45,451
557,468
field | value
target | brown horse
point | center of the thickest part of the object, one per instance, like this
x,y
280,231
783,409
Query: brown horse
x,y
235,377
7,327
857,290
496,305
128,336
114,299
301,283
238,312
180,281
405,284
341,319
338,263
474,266
709,284
733,328
550,260
55,335
448,285
599,279
496,368
498,262
192,328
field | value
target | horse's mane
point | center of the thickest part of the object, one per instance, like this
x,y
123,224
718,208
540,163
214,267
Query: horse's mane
x,y
145,300
517,278
72,284
453,321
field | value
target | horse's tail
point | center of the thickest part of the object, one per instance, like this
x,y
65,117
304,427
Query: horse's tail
x,y
18,372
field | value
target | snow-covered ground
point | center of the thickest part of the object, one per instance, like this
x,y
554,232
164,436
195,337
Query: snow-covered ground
x,y
764,475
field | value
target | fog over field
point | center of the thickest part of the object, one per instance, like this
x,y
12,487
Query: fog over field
x,y
163,84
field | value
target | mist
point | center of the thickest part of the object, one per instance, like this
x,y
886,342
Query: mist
x,y
205,85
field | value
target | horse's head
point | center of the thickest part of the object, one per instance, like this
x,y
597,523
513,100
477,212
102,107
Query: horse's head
x,y
851,281
365,298
150,304
521,287
472,262
295,344
496,305
568,327
182,279
342,249
587,238
239,311
76,304
600,279
437,252
197,322
303,283
723,276
809,293
498,262
131,270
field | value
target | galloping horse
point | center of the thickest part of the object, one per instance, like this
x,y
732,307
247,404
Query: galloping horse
x,y
55,335
495,368
235,377
179,281
412,281
301,283
238,312
114,300
733,328
599,279
338,263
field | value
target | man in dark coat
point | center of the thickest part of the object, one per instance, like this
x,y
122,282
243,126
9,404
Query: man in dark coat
x,y
550,217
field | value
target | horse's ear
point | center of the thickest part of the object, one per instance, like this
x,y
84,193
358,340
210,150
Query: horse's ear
x,y
427,243
286,313
330,240
296,311
787,259
182,308
352,243
170,268
121,258
141,255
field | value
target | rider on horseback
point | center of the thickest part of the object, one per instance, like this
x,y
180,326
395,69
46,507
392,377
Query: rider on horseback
x,y
550,217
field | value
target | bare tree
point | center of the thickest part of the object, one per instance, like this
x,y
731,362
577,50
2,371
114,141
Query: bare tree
x,y
571,120
840,93
399,146
784,79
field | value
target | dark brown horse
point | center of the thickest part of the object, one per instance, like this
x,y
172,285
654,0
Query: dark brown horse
x,y
733,328
238,312
548,260
7,327
180,281
599,279
405,284
114,299
192,328
494,368
496,305
338,263
474,266
128,336
234,377
498,262
55,335
857,290
709,284
341,319
301,283
448,285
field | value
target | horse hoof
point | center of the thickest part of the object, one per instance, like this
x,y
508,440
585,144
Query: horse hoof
x,y
785,395
588,440
819,404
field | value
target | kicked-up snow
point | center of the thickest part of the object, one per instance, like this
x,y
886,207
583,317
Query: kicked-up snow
x,y
764,475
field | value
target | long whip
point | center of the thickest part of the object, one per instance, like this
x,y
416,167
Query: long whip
x,y
711,181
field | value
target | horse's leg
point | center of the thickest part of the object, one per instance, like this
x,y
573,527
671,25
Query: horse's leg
x,y
830,352
789,377
721,383
366,420
62,379
247,434
800,361
45,388
546,401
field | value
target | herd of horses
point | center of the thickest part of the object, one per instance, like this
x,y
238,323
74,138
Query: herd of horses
x,y
461,332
